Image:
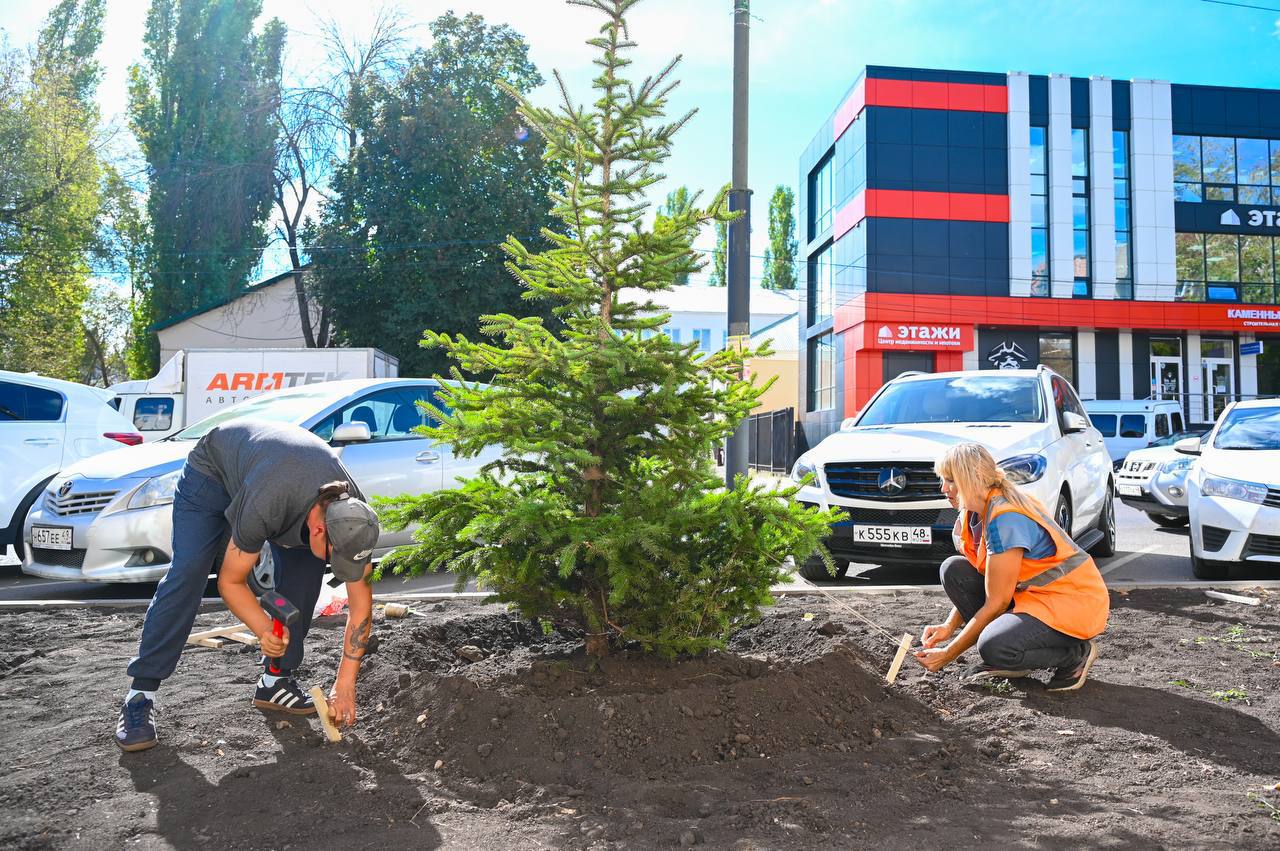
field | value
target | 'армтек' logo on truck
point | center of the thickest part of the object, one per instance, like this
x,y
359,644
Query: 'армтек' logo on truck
x,y
269,380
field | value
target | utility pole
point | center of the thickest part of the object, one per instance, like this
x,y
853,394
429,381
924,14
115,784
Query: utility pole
x,y
738,262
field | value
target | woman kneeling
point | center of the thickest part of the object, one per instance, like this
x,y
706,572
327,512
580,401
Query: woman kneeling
x,y
1023,592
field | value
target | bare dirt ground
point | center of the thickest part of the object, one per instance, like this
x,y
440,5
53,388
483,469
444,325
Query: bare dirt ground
x,y
789,739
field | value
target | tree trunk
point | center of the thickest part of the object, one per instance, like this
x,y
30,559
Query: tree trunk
x,y
598,644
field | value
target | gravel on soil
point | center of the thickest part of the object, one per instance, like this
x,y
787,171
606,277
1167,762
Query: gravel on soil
x,y
481,730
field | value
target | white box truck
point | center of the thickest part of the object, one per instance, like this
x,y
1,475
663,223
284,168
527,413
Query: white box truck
x,y
195,383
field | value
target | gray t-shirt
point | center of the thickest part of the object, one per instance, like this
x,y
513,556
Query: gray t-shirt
x,y
272,472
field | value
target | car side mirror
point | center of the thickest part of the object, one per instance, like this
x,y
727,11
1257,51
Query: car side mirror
x,y
1073,422
351,433
1188,446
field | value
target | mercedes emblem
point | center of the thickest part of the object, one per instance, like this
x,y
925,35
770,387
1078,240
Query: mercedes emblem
x,y
893,481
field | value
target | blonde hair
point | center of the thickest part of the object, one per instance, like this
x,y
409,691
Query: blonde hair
x,y
975,471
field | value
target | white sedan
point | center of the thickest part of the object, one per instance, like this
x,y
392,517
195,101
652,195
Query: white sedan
x,y
1234,490
110,518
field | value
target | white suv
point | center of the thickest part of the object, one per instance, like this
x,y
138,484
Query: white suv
x,y
1233,491
45,425
879,467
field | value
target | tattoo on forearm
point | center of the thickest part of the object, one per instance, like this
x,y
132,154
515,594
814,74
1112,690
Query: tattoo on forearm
x,y
358,640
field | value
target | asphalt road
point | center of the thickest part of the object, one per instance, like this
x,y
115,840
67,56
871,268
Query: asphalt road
x,y
1147,553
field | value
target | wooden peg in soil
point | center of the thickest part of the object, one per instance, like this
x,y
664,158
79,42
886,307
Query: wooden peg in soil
x,y
322,708
903,647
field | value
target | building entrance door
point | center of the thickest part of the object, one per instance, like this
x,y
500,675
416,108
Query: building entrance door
x,y
1166,378
1218,364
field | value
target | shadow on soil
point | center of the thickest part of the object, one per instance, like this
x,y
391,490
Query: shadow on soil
x,y
312,797
1221,614
1214,732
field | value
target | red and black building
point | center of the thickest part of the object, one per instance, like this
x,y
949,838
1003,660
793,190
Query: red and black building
x,y
1126,233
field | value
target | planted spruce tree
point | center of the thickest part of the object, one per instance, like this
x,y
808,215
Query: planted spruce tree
x,y
603,507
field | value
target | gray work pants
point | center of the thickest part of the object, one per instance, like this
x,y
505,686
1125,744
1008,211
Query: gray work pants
x,y
1013,641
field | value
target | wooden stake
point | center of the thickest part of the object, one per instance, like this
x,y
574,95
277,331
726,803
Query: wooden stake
x,y
903,647
322,707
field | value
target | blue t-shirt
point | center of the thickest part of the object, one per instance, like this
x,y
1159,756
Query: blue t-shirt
x,y
1012,530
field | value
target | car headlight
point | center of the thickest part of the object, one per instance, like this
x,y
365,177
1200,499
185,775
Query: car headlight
x,y
1232,489
1179,465
804,467
157,491
1024,469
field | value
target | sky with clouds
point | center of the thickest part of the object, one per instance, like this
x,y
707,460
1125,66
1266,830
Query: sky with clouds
x,y
804,55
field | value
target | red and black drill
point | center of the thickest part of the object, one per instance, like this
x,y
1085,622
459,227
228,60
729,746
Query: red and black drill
x,y
283,613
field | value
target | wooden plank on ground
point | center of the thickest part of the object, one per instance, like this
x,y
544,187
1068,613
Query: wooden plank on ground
x,y
1232,598
220,632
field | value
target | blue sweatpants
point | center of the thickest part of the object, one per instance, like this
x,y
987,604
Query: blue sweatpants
x,y
200,535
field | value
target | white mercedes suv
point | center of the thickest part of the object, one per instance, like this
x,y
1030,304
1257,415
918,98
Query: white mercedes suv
x,y
879,467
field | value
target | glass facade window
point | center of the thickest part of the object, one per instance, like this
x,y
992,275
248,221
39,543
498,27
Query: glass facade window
x,y
702,336
1039,212
1223,168
822,373
1124,224
821,285
821,197
1056,353
1227,267
1080,212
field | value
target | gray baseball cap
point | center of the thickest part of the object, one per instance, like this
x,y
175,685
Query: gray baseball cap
x,y
353,533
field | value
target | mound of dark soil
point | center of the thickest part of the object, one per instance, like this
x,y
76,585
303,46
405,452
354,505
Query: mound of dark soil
x,y
537,710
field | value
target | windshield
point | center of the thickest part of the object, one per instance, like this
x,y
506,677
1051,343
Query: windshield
x,y
969,399
290,408
1249,428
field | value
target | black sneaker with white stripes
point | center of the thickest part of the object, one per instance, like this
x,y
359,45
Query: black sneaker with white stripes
x,y
284,696
136,729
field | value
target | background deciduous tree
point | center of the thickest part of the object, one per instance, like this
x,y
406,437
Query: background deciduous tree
x,y
440,170
780,256
51,187
203,107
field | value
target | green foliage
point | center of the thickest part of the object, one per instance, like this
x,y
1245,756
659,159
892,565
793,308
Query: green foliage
x,y
603,506
678,201
202,109
50,193
780,256
719,254
444,170
1230,694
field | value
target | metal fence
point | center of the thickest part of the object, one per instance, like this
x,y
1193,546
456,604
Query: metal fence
x,y
771,440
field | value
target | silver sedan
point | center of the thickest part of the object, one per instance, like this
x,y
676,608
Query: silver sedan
x,y
110,518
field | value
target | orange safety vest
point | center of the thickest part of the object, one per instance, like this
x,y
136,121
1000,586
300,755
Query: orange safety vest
x,y
1064,591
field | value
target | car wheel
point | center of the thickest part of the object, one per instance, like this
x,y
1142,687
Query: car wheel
x,y
1062,514
1107,526
1210,570
1168,521
814,570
